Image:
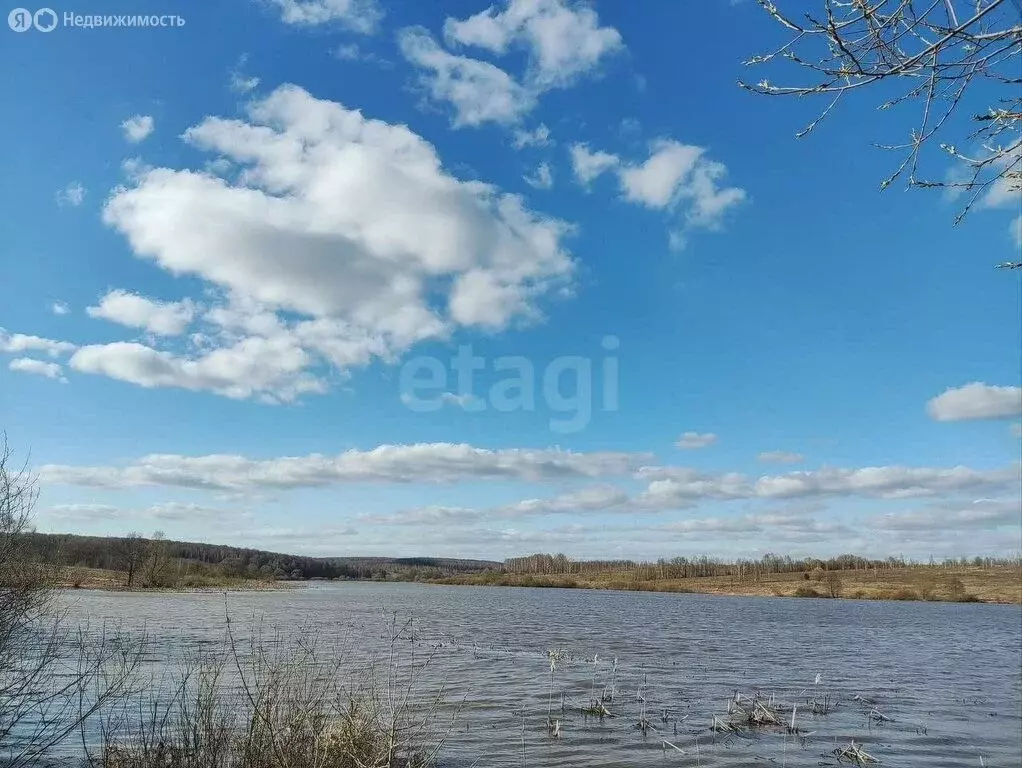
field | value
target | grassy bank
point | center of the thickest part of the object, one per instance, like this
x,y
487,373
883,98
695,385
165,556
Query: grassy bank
x,y
116,581
1000,584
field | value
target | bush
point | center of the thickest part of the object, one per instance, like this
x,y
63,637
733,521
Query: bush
x,y
834,585
804,591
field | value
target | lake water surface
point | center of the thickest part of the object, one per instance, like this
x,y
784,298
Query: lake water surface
x,y
948,676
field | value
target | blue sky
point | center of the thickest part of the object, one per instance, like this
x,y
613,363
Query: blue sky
x,y
232,247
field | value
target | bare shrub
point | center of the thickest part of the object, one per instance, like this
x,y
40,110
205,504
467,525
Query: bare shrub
x,y
833,584
53,678
928,587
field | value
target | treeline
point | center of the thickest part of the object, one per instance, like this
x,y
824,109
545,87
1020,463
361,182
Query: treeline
x,y
412,568
153,561
684,567
156,556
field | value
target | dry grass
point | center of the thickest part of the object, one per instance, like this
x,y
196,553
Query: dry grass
x,y
114,581
281,703
1001,584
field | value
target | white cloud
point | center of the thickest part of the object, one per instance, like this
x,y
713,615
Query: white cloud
x,y
137,128
84,511
691,440
976,401
164,318
675,177
478,91
564,39
59,308
1005,191
982,513
671,485
73,194
171,511
589,500
538,137
587,165
357,15
564,42
20,342
1016,430
1016,231
349,225
543,178
420,463
787,527
271,368
781,457
37,368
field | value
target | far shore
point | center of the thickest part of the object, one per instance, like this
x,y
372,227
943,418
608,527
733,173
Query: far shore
x,y
116,581
1002,585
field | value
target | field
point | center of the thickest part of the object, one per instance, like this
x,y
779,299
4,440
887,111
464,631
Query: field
x,y
997,584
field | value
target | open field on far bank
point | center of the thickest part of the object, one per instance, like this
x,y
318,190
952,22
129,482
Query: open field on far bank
x,y
998,584
116,581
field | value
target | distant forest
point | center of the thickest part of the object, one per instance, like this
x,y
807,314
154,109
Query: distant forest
x,y
702,566
121,554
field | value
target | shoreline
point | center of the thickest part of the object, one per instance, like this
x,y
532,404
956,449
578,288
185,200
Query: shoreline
x,y
715,593
988,586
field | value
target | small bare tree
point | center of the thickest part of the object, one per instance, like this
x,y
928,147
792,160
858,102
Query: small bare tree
x,y
158,560
834,584
945,54
133,551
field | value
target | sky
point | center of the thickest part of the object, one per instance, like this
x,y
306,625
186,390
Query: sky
x,y
383,277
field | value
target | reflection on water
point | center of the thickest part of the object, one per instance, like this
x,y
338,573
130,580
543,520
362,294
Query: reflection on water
x,y
947,675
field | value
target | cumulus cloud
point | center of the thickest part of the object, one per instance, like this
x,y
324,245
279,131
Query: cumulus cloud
x,y
1015,229
691,440
20,342
976,401
164,318
478,91
781,457
340,241
37,368
356,15
73,194
564,40
422,463
587,165
137,128
59,308
676,178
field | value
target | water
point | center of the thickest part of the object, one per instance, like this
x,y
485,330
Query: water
x,y
948,675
